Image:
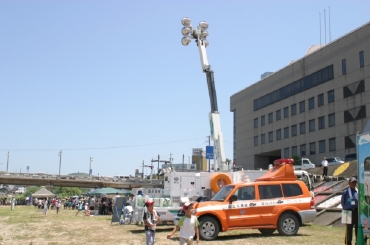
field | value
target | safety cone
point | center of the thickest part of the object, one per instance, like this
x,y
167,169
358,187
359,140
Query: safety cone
x,y
360,235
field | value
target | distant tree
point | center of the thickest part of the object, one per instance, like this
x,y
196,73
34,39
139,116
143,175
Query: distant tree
x,y
31,190
228,161
67,191
297,160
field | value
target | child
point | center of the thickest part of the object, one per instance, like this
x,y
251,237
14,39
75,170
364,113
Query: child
x,y
45,207
87,211
188,226
150,219
58,204
80,208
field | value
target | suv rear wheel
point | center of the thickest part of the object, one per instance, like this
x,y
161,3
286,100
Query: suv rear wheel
x,y
288,225
267,231
208,228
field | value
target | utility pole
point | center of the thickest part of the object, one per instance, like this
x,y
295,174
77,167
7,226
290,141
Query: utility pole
x,y
142,171
7,162
148,166
171,160
209,160
60,161
183,158
158,161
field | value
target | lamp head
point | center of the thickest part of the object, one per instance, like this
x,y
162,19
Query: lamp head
x,y
185,21
203,25
186,30
185,41
203,34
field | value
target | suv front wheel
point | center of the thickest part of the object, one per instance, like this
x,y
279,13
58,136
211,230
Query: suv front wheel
x,y
208,228
288,225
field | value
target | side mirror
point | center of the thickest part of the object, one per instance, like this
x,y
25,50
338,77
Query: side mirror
x,y
233,198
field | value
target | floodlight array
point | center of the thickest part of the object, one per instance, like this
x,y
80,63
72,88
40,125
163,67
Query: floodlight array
x,y
200,34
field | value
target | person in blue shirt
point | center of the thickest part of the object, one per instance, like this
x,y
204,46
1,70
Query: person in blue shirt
x,y
349,201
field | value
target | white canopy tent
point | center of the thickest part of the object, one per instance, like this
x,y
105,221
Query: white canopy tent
x,y
43,192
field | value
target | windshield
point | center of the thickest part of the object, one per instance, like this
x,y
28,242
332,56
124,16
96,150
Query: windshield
x,y
223,193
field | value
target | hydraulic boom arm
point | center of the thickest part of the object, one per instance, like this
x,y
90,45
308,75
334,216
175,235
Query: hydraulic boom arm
x,y
214,115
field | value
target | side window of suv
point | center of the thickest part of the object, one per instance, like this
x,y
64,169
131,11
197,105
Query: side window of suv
x,y
291,190
270,191
245,193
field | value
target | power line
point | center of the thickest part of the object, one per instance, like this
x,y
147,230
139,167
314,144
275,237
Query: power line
x,y
104,148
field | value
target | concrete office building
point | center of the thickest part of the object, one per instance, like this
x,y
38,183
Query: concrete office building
x,y
311,108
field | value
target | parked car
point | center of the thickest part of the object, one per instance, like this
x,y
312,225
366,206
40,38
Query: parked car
x,y
275,201
350,157
335,160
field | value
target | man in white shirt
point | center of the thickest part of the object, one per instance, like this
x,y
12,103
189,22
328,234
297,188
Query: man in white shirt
x,y
114,199
324,164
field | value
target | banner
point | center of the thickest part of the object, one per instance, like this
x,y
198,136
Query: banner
x,y
363,165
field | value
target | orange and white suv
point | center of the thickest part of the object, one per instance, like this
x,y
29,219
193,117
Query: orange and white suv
x,y
276,200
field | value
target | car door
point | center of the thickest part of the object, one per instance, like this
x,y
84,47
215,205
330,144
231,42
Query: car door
x,y
243,212
271,198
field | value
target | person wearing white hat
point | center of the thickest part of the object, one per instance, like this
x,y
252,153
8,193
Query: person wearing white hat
x,y
188,226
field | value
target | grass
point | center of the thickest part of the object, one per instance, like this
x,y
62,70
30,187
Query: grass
x,y
26,225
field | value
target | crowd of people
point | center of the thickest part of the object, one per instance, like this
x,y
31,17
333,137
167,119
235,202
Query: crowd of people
x,y
87,205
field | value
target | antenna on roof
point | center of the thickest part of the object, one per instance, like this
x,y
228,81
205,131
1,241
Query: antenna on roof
x,y
320,27
329,27
325,25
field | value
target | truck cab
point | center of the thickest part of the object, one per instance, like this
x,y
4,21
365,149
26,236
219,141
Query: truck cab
x,y
305,164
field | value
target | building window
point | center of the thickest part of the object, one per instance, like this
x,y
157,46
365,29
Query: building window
x,y
262,139
361,54
303,84
311,125
286,152
256,123
350,142
322,146
303,150
271,137
320,100
270,117
331,120
294,130
344,67
355,114
278,134
278,115
353,89
321,121
263,120
294,151
330,96
255,140
312,148
302,106
286,112
302,128
286,132
332,144
311,103
293,109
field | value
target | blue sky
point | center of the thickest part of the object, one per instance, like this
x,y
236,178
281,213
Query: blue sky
x,y
111,80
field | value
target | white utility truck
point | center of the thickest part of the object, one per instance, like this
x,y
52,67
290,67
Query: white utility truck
x,y
305,164
181,187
